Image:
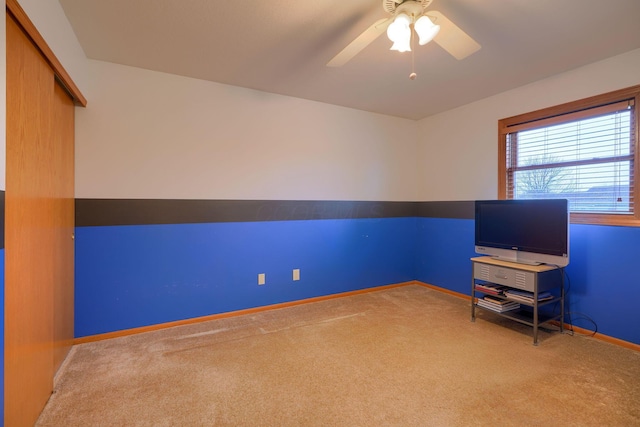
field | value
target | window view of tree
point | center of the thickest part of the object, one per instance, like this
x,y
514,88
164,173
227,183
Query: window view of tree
x,y
543,182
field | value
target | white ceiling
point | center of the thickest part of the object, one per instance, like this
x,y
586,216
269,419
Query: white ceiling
x,y
282,46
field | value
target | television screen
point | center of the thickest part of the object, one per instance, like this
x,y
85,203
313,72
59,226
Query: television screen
x,y
534,231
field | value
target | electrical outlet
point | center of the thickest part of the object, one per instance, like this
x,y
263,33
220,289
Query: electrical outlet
x,y
296,274
262,278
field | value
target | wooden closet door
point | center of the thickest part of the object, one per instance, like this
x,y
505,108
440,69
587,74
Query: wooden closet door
x,y
64,224
38,227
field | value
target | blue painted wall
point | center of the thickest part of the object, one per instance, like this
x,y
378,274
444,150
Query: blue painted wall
x,y
605,279
138,275
443,251
603,270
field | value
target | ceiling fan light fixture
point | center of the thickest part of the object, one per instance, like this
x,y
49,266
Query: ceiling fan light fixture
x,y
399,28
426,29
402,45
399,32
407,16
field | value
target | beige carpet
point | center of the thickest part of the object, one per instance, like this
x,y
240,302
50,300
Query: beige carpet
x,y
406,356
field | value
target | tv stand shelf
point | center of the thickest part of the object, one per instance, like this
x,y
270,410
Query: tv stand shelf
x,y
531,278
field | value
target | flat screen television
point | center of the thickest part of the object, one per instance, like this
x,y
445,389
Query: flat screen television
x,y
530,231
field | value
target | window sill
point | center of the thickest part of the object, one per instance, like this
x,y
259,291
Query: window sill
x,y
605,219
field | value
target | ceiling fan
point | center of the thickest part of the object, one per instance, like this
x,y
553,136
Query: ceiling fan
x,y
408,14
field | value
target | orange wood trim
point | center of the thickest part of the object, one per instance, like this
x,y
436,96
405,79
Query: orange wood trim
x,y
16,11
576,115
599,336
443,290
502,167
133,331
602,219
581,104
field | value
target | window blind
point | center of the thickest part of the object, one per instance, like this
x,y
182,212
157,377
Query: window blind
x,y
585,156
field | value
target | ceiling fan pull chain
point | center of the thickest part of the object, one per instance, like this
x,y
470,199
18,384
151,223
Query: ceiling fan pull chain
x,y
413,74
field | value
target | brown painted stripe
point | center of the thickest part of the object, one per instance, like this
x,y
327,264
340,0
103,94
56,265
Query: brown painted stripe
x,y
454,209
92,212
103,212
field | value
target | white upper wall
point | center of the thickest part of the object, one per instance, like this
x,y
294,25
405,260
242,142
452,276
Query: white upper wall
x,y
458,149
153,135
147,134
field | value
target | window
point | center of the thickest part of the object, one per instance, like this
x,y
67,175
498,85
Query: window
x,y
585,151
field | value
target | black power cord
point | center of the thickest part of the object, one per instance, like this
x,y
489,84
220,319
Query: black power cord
x,y
564,278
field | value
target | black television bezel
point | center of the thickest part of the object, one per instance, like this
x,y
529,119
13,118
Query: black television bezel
x,y
522,251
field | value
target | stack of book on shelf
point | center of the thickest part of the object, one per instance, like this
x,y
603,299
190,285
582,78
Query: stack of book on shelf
x,y
490,288
526,297
497,304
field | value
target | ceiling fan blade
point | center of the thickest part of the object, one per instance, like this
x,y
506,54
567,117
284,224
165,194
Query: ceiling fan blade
x,y
451,38
362,41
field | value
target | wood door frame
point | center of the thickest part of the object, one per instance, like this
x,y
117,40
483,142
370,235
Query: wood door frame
x,y
16,11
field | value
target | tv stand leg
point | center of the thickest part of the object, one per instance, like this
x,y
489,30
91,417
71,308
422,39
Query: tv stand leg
x,y
473,297
535,317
